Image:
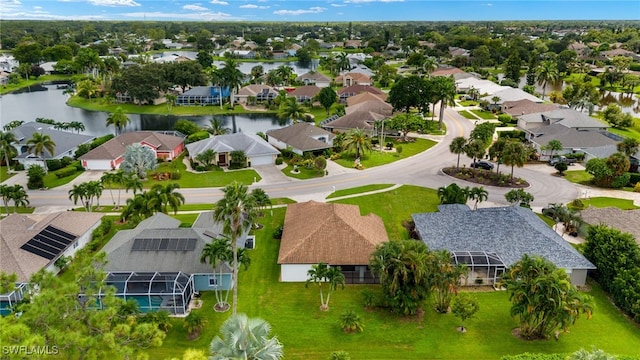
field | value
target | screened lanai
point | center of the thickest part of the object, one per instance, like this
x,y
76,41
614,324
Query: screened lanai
x,y
203,95
170,291
484,268
9,300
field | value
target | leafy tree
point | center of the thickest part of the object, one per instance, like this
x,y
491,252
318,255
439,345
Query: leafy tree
x,y
561,167
475,149
553,146
38,144
514,154
629,146
350,322
512,66
453,194
139,159
483,132
35,177
186,127
519,197
28,52
36,71
385,74
602,174
408,92
547,72
7,139
405,123
457,146
465,306
7,282
204,59
118,119
321,273
245,338
445,278
236,211
291,109
356,140
194,323
543,298
327,97
613,115
402,266
186,74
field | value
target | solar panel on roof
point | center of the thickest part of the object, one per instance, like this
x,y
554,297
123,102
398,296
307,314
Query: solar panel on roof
x,y
166,244
49,242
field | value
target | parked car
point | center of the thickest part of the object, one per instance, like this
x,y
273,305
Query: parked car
x,y
482,164
557,159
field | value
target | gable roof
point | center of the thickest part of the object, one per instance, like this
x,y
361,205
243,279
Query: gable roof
x,y
525,106
301,136
338,234
565,117
17,229
357,76
255,89
116,147
252,145
510,232
316,76
624,220
361,119
511,94
570,137
307,90
376,106
357,89
366,96
447,71
65,140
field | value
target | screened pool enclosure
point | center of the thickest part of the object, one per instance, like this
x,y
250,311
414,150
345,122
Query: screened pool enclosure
x,y
484,268
170,291
9,300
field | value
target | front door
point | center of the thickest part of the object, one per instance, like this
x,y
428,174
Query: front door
x,y
222,160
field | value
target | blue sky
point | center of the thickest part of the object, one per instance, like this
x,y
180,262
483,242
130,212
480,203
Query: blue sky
x,y
319,10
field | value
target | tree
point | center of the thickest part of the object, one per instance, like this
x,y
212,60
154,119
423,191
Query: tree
x,y
238,159
15,193
475,149
257,72
206,157
561,167
465,306
261,198
457,146
164,197
291,109
443,89
204,59
405,123
512,67
77,126
547,72
483,132
118,119
519,197
81,192
132,182
543,298
629,146
356,140
35,176
445,278
602,174
7,139
327,97
342,61
171,100
245,338
350,322
216,127
496,151
478,194
194,324
139,159
236,211
186,127
496,100
553,146
514,154
321,273
215,253
38,144
408,92
284,72
613,115
87,88
111,179
453,194
231,77
402,267
185,74
5,193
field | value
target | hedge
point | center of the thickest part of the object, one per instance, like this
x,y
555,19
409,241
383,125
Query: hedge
x,y
68,171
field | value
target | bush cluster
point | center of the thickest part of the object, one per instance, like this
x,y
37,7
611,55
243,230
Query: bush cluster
x,y
99,233
68,171
85,148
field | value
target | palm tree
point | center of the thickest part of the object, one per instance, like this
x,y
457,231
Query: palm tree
x,y
546,72
80,192
445,278
342,62
38,144
216,127
7,140
132,182
87,88
496,100
457,146
514,154
350,322
453,194
77,126
321,273
19,197
430,65
236,211
231,77
162,197
245,338
171,100
195,323
256,74
496,150
94,190
216,253
478,194
111,179
446,94
5,193
284,72
118,119
357,140
290,109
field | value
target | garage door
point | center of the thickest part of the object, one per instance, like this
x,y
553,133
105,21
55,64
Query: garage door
x,y
262,160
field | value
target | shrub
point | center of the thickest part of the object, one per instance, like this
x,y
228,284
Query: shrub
x,y
577,204
35,176
176,175
637,187
577,156
351,322
340,355
54,164
278,161
66,161
78,166
287,153
82,149
277,234
504,118
620,181
561,167
238,160
18,167
197,136
369,298
399,149
68,171
634,178
186,127
105,226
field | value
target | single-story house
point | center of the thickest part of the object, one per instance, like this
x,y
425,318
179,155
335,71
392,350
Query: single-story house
x,y
509,94
376,106
66,142
301,137
314,78
366,96
203,95
158,263
353,90
591,142
353,78
256,149
565,117
352,44
305,93
260,92
525,106
337,235
483,86
624,220
489,240
110,155
360,119
29,243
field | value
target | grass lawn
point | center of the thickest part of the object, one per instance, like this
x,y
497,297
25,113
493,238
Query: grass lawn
x,y
303,173
4,89
468,103
214,178
4,173
549,221
486,115
600,202
632,132
282,201
358,190
468,115
21,210
51,180
376,158
578,177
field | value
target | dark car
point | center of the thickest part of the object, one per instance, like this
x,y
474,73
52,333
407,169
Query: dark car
x,y
485,165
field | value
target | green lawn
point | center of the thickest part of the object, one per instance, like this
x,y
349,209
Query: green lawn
x,y
282,201
578,177
21,210
468,103
486,115
358,190
4,89
51,180
303,173
4,173
376,158
549,221
632,132
467,115
600,202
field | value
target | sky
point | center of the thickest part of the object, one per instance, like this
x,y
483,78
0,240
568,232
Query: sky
x,y
319,10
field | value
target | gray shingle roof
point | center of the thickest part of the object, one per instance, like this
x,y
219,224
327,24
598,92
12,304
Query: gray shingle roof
x,y
251,145
510,232
570,137
65,140
300,136
565,117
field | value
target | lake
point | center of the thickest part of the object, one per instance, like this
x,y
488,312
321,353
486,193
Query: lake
x,y
46,101
245,67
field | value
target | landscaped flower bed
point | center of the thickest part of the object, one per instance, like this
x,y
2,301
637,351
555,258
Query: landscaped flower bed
x,y
486,177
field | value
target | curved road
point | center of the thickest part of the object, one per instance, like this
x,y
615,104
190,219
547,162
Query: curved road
x,y
422,170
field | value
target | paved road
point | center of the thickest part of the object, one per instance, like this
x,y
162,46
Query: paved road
x,y
422,170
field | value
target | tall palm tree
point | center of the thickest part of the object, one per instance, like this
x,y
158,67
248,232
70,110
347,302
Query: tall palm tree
x,y
357,140
236,211
478,194
256,74
132,182
457,146
496,150
284,73
245,338
215,253
118,119
112,179
216,127
514,154
80,192
94,190
77,126
322,273
232,77
162,197
446,94
429,65
445,278
7,140
171,100
5,193
546,72
38,144
342,62
19,197
290,109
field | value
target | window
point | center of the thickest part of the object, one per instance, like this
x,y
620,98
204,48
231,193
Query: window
x,y
213,281
75,245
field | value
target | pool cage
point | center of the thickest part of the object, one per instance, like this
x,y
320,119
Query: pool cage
x,y
484,268
9,300
170,291
203,95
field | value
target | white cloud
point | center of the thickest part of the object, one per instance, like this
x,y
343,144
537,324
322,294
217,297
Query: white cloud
x,y
370,1
218,2
37,7
252,6
114,2
313,10
43,15
205,16
195,8
337,5
488,4
8,5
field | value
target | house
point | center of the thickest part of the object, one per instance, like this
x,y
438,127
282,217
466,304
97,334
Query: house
x,y
484,87
338,236
360,68
376,106
158,263
489,240
257,151
565,117
301,137
509,94
353,90
525,106
66,143
624,220
110,155
203,95
359,119
260,92
594,144
353,44
31,243
305,93
451,71
353,78
314,78
457,51
365,97
620,52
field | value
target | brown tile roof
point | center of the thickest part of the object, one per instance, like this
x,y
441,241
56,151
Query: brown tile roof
x,y
17,229
447,71
525,106
624,220
307,90
375,106
115,147
366,96
255,89
357,77
332,233
301,136
357,89
361,119
317,76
